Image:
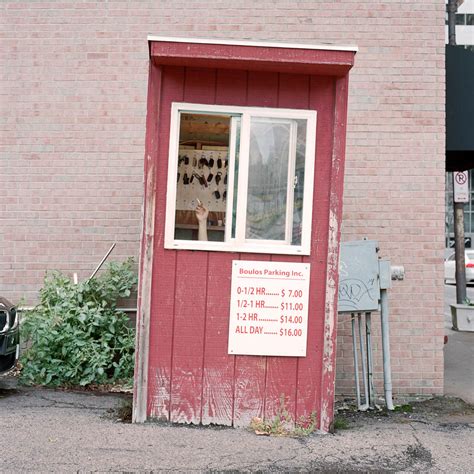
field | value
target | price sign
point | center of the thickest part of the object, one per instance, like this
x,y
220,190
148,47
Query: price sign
x,y
269,308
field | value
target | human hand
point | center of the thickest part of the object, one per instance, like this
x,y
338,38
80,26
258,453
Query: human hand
x,y
201,213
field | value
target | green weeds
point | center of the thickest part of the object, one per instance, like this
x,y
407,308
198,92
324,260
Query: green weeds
x,y
283,424
340,424
406,408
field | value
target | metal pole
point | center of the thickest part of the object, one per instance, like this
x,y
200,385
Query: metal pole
x,y
102,262
356,361
459,251
387,369
370,368
364,366
452,9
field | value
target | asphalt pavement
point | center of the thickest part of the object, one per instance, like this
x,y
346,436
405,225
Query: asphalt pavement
x,y
56,431
44,430
458,352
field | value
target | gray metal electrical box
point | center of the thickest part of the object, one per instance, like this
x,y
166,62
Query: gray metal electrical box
x,y
359,288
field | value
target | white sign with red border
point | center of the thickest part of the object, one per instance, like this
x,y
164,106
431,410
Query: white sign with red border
x,y
461,186
269,308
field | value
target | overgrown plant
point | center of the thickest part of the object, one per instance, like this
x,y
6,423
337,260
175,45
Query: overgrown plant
x,y
75,335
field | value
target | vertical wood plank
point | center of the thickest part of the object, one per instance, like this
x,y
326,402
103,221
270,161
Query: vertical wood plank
x,y
262,89
218,375
294,91
309,368
164,261
142,350
191,295
231,87
250,371
328,373
188,336
281,377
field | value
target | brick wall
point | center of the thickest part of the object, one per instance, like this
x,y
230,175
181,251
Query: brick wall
x,y
73,96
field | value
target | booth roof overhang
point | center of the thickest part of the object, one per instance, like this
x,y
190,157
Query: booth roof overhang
x,y
321,59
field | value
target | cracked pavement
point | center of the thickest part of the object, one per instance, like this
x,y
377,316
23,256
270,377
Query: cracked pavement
x,y
57,431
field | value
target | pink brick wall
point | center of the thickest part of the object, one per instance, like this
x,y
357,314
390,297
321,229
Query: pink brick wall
x,y
73,96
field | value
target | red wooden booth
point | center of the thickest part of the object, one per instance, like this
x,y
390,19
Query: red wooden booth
x,y
244,170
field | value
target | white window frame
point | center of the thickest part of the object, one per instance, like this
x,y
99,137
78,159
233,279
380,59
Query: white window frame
x,y
239,243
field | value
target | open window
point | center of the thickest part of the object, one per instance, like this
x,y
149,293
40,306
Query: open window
x,y
252,171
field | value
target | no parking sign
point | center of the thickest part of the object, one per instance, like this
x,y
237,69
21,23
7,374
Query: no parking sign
x,y
461,186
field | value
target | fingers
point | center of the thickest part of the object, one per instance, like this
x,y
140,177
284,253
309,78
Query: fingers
x,y
201,212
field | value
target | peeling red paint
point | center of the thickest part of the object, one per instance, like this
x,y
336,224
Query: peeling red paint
x,y
184,373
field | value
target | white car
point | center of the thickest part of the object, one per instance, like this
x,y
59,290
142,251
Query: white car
x,y
450,267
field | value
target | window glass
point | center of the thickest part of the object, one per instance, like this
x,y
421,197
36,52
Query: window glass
x,y
460,19
268,198
467,222
299,181
469,217
202,174
237,128
240,179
